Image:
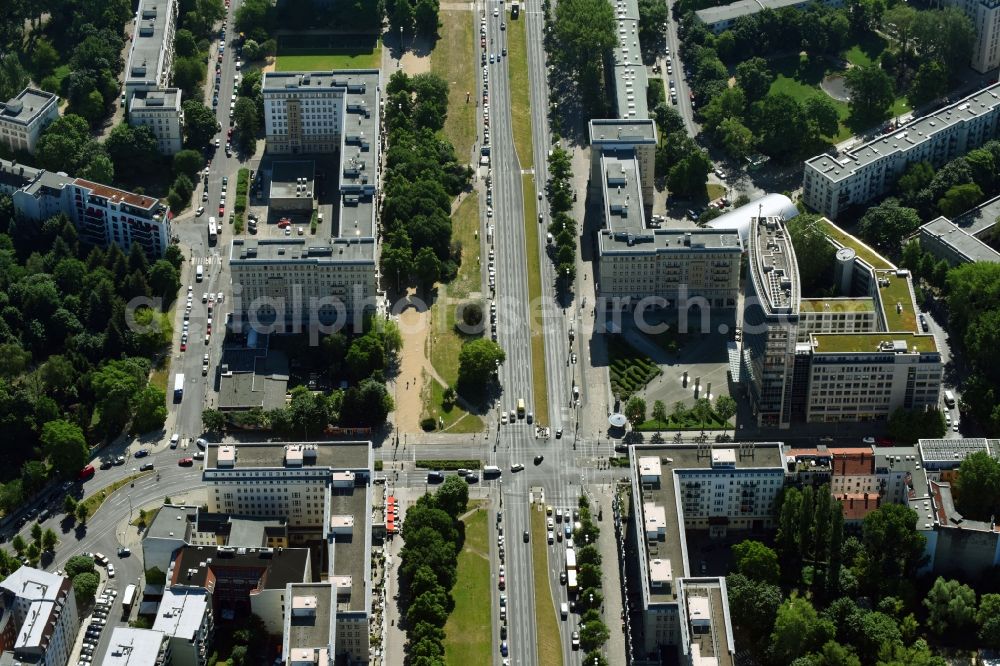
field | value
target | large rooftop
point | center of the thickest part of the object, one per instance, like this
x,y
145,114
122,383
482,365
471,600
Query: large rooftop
x,y
274,567
947,453
181,613
963,243
773,268
149,45
171,522
665,241
630,72
133,647
907,137
979,219
166,98
832,343
623,207
897,301
290,455
310,619
26,106
836,305
349,522
841,238
628,130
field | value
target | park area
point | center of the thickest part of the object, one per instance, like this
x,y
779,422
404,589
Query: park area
x,y
467,638
324,52
802,77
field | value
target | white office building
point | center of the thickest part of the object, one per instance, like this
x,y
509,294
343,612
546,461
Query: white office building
x,y
39,608
832,183
23,118
151,56
160,111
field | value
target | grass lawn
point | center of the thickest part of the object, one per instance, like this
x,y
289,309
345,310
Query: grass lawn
x,y
866,51
630,370
94,502
149,518
546,624
715,191
453,59
520,100
357,57
446,343
800,78
161,373
538,383
468,639
455,418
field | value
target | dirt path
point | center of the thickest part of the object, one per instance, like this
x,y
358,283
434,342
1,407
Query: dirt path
x,y
413,326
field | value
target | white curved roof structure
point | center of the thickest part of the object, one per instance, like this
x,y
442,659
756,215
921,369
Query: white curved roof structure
x,y
769,205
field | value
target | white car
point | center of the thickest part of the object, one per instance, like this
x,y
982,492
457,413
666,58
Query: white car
x,y
516,467
174,440
111,570
200,211
496,11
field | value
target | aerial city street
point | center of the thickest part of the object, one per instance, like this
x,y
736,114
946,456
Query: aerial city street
x,y
521,332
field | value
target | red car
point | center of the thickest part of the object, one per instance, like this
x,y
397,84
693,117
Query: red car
x,y
185,462
222,211
503,583
184,346
86,473
229,134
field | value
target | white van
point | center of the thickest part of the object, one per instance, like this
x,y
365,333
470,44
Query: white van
x,y
563,610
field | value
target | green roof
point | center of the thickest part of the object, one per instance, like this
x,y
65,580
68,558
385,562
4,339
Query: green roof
x,y
869,342
847,240
897,293
836,305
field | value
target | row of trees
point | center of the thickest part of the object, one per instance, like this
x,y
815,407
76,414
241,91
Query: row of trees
x,y
593,632
422,177
559,193
579,39
433,537
956,187
798,602
63,313
193,40
679,159
413,18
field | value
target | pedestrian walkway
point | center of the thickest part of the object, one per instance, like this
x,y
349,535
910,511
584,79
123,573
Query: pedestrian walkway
x,y
610,573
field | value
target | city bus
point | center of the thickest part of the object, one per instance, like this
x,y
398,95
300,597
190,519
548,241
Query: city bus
x,y
213,230
128,598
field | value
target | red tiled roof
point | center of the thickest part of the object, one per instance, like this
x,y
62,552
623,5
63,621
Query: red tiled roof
x,y
857,505
854,464
139,200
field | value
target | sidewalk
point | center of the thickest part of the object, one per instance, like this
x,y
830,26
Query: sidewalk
x,y
610,574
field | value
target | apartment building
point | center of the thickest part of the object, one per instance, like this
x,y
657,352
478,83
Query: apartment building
x,y
678,488
186,620
853,472
675,265
985,17
279,480
629,77
329,278
160,111
237,580
23,118
137,647
721,18
177,526
40,608
832,183
770,323
102,215
969,238
151,55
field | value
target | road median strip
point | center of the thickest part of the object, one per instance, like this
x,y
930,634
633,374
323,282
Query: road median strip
x,y
546,626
